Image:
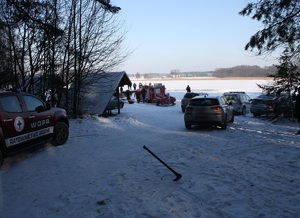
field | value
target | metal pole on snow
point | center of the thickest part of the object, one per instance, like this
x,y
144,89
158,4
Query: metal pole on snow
x,y
178,175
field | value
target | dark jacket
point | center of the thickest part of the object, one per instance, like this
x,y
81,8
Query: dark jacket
x,y
144,91
297,105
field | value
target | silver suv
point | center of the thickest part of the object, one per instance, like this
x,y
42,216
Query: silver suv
x,y
240,101
212,111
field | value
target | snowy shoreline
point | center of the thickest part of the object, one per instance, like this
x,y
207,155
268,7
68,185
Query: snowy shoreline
x,y
209,86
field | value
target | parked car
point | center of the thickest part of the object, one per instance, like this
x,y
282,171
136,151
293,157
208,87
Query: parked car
x,y
213,111
262,105
187,97
240,101
27,121
113,103
267,104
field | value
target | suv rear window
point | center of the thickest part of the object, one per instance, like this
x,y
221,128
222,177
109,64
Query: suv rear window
x,y
232,98
190,95
204,102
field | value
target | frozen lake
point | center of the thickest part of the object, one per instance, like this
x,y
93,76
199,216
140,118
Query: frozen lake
x,y
176,87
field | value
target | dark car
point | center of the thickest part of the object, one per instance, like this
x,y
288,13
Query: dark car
x,y
240,101
27,121
113,103
262,105
212,111
271,104
187,97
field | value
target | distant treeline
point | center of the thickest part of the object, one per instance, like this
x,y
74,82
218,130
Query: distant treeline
x,y
237,71
244,71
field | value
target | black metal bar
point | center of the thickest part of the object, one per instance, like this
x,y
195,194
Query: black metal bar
x,y
178,175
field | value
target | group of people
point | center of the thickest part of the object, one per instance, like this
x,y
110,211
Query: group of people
x,y
140,93
134,86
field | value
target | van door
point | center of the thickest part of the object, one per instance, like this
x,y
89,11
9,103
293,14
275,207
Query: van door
x,y
13,120
39,117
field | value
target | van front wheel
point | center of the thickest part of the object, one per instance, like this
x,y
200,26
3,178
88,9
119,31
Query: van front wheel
x,y
1,158
61,133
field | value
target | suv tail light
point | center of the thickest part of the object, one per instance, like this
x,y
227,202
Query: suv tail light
x,y
216,108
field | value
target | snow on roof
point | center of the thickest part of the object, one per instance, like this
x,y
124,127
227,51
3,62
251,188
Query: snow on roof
x,y
98,89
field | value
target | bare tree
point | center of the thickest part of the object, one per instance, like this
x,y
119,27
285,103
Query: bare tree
x,y
55,44
93,44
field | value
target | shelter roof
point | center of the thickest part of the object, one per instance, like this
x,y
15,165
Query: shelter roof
x,y
99,88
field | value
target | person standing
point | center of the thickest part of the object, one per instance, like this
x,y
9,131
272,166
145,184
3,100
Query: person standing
x,y
127,93
144,91
297,105
188,88
137,95
134,86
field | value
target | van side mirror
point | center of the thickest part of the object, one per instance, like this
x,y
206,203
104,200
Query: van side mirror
x,y
40,108
48,106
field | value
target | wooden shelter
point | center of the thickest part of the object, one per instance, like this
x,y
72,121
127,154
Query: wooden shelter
x,y
98,90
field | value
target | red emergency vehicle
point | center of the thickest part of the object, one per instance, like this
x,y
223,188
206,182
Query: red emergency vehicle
x,y
157,94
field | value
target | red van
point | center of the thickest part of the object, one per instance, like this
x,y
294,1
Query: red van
x,y
26,121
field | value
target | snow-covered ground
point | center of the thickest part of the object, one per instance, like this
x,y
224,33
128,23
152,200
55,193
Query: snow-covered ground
x,y
251,169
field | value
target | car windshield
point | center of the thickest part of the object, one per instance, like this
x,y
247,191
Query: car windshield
x,y
204,102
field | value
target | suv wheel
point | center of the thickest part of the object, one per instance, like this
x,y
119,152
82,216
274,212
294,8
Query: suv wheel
x,y
188,126
244,111
224,124
61,133
232,119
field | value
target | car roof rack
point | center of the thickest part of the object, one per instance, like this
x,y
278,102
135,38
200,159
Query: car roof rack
x,y
234,92
202,93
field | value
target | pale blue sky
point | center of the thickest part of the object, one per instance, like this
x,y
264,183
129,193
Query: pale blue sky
x,y
189,35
